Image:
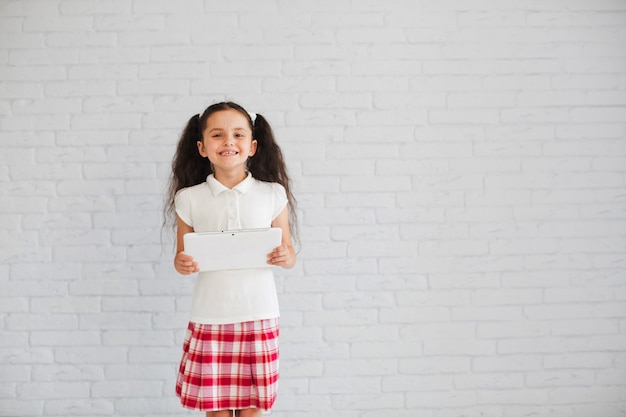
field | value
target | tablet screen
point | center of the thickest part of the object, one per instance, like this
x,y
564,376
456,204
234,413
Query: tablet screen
x,y
232,249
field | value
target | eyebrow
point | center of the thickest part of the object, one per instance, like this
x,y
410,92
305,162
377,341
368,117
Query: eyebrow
x,y
237,128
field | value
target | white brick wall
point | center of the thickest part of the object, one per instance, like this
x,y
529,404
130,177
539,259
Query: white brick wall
x,y
460,168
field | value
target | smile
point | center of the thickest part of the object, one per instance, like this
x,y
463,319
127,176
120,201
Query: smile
x,y
228,153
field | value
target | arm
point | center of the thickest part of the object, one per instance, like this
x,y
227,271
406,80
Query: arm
x,y
183,263
283,255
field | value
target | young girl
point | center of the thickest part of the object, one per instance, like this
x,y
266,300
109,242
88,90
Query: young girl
x,y
228,173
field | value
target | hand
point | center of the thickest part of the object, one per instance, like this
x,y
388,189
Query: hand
x,y
185,264
282,255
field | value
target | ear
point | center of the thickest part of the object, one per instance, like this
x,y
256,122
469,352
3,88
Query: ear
x,y
253,147
201,149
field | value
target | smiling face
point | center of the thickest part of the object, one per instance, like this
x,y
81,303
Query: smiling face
x,y
227,142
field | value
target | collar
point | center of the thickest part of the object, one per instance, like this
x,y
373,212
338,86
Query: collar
x,y
217,187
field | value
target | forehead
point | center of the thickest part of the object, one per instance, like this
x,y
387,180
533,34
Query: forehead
x,y
227,119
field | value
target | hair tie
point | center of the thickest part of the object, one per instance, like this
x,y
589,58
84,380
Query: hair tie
x,y
252,117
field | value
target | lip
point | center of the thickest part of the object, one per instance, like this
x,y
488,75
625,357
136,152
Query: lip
x,y
229,152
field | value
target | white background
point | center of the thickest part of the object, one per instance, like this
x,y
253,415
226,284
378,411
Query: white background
x,y
460,169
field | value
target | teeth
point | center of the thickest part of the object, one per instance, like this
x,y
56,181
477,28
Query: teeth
x,y
228,153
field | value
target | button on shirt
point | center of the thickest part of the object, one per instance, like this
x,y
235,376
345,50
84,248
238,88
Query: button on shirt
x,y
234,296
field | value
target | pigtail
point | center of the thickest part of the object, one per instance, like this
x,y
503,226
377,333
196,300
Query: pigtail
x,y
268,164
188,166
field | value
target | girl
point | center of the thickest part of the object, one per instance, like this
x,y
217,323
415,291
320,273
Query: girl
x,y
228,173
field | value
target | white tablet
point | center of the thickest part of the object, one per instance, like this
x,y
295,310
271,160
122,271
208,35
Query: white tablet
x,y
232,249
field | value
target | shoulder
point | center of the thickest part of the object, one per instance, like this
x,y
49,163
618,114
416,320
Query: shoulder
x,y
186,193
268,187
273,193
192,189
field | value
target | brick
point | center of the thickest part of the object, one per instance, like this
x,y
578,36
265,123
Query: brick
x,y
453,247
604,115
17,156
514,396
346,385
70,373
459,347
153,355
113,389
81,204
576,395
338,300
11,407
22,90
92,355
151,406
578,360
15,339
489,99
434,399
27,289
65,337
41,322
14,373
137,372
163,6
57,23
155,304
396,383
107,279
436,364
609,408
79,407
52,390
128,22
354,316
56,221
359,333
608,342
437,199
80,88
390,35
443,331
28,57
14,304
181,53
511,363
65,305
36,123
489,381
527,82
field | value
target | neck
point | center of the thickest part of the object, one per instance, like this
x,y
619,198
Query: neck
x,y
230,179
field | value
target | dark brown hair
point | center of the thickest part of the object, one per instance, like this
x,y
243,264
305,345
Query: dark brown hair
x,y
190,168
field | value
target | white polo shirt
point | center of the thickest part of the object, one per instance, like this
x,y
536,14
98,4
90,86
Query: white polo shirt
x,y
241,295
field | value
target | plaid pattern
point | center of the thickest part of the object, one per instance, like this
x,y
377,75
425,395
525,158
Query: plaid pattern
x,y
229,366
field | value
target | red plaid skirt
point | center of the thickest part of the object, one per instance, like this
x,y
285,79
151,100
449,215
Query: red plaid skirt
x,y
229,366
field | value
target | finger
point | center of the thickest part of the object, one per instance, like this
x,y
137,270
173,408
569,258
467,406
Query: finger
x,y
186,259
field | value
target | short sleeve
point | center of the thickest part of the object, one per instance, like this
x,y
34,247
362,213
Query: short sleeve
x,y
182,202
280,199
